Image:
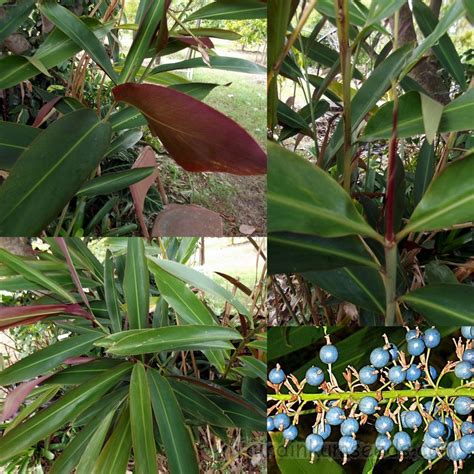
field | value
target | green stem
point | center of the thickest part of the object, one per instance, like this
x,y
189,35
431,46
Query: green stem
x,y
385,395
390,281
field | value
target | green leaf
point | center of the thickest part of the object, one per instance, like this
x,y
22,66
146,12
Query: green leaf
x,y
21,267
425,167
298,187
128,117
198,90
197,405
50,172
435,273
199,280
15,138
77,374
361,286
439,209
254,392
136,284
143,439
125,140
75,29
142,40
366,98
113,182
115,455
42,361
469,6
431,111
56,415
231,10
290,464
457,115
371,461
111,295
256,368
216,62
443,304
287,116
296,253
14,17
209,33
174,434
444,49
380,9
356,16
171,338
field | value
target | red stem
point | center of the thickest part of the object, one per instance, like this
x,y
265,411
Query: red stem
x,y
392,161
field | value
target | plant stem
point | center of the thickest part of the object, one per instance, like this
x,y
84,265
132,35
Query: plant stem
x,y
342,16
384,395
390,281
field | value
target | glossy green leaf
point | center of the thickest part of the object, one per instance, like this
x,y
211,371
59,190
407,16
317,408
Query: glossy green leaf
x,y
257,368
56,415
436,273
231,10
56,49
141,419
198,280
361,286
366,98
15,15
290,464
216,62
42,361
443,304
75,29
287,116
457,115
431,111
128,117
142,40
111,294
115,455
50,172
174,434
444,49
439,209
21,267
198,90
469,6
20,283
14,140
197,405
209,33
356,15
425,167
297,187
113,182
124,141
296,253
171,338
380,9
136,284
254,392
77,374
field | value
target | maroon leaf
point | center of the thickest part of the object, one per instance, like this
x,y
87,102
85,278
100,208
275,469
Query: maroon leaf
x,y
45,110
139,190
197,136
207,42
79,360
187,221
21,315
17,396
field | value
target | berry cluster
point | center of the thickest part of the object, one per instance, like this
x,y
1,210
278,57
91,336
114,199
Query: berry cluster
x,y
408,397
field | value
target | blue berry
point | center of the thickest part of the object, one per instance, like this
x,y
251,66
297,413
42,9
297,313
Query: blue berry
x,y
368,405
349,427
463,405
412,419
430,407
335,416
290,433
468,356
368,375
393,351
467,332
347,444
396,374
431,442
281,421
432,338
379,357
314,443
415,346
314,376
324,430
436,429
463,370
448,421
328,354
401,441
428,453
412,333
270,424
276,376
413,373
384,425
454,451
467,443
467,427
433,372
383,443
